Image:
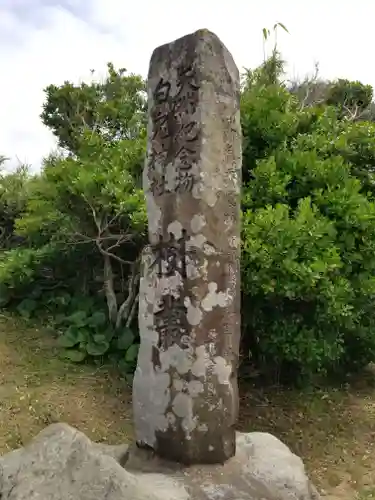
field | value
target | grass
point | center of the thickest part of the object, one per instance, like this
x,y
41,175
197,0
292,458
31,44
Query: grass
x,y
37,388
333,430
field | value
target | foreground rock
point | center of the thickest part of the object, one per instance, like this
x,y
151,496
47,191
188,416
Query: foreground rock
x,y
63,464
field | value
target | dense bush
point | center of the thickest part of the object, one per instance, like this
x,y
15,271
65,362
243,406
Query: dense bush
x,y
84,212
308,236
14,189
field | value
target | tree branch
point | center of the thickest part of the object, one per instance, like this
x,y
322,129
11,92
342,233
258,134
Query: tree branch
x,y
124,238
132,311
112,255
109,290
127,308
355,113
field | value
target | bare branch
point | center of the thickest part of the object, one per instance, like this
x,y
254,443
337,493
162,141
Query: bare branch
x,y
111,221
124,238
109,290
112,255
132,312
127,308
102,238
93,211
355,113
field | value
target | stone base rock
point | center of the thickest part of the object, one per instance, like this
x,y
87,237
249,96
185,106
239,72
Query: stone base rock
x,y
61,463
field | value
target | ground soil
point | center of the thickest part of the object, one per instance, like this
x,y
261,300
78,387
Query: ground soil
x,y
332,429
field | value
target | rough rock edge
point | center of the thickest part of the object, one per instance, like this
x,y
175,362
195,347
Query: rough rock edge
x,y
139,462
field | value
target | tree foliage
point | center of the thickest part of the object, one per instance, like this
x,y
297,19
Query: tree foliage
x,y
114,109
308,235
308,232
84,211
14,188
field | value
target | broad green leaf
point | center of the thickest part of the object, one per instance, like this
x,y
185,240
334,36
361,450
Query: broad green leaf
x,y
62,299
99,337
75,355
98,319
97,348
125,339
27,307
125,367
68,339
109,333
59,319
78,318
83,334
132,353
86,304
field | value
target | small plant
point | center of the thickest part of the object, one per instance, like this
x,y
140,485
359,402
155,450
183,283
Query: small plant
x,y
85,334
90,334
84,327
27,308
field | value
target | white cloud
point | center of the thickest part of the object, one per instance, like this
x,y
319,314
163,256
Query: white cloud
x,y
53,43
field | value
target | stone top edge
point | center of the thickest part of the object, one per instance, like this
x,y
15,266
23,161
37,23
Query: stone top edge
x,y
200,34
192,43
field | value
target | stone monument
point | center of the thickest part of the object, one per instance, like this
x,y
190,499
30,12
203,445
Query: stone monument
x,y
185,387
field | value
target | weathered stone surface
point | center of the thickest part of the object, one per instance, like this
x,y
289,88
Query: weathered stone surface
x,y
185,387
63,464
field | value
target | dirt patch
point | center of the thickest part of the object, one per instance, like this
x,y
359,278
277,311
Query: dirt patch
x,y
37,388
332,430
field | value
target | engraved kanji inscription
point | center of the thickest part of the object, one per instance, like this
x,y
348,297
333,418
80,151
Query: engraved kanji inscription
x,y
170,256
170,321
176,134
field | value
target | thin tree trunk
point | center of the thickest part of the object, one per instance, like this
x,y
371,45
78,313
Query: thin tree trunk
x,y
132,311
127,309
109,289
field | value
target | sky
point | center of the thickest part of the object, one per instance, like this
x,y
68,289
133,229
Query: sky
x,y
50,41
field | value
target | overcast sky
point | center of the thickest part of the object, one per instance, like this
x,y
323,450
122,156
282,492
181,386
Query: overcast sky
x,y
49,41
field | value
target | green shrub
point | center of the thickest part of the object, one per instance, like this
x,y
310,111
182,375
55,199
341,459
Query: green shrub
x,y
308,259
308,235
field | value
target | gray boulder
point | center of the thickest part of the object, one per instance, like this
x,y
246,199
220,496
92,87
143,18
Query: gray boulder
x,y
61,463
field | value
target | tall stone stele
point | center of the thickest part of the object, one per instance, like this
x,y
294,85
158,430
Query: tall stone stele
x,y
185,386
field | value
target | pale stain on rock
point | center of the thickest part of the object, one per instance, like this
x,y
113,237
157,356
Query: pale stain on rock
x,y
154,212
182,405
211,198
195,387
222,369
167,285
194,314
175,228
197,241
192,270
197,223
215,298
234,241
170,177
176,357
